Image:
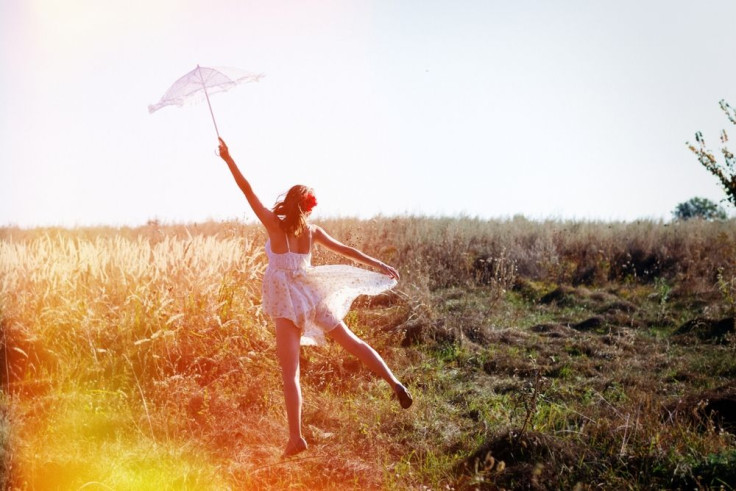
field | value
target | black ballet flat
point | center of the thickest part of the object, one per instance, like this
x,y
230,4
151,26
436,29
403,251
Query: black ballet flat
x,y
403,395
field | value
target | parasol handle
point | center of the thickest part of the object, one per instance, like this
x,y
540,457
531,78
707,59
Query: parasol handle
x,y
211,113
208,102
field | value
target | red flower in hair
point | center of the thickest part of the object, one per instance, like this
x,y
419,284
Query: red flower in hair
x,y
308,202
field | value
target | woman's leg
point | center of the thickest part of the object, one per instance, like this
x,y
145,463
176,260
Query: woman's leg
x,y
365,353
287,351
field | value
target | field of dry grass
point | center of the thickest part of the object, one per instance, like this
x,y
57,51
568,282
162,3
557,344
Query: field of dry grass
x,y
542,355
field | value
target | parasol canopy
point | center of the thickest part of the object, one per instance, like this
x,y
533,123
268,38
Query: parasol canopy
x,y
202,82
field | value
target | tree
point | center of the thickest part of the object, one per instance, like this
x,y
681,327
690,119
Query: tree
x,y
724,171
699,208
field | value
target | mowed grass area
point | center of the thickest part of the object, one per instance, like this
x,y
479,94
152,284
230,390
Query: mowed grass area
x,y
541,355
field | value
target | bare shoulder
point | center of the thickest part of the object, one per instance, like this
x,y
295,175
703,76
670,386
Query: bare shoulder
x,y
269,220
319,235
316,230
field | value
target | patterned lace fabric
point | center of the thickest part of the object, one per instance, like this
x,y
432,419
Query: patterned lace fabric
x,y
315,298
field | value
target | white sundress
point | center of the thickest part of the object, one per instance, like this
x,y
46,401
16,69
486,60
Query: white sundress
x,y
315,298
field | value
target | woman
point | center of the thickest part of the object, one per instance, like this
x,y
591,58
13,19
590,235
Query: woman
x,y
304,301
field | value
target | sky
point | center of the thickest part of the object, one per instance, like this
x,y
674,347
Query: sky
x,y
572,109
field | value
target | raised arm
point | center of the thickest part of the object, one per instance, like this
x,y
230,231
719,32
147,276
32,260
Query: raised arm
x,y
323,238
266,216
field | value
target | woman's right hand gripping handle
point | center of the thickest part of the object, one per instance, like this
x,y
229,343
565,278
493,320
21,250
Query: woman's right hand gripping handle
x,y
224,152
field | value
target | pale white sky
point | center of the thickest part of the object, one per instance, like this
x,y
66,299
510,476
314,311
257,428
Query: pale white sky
x,y
572,109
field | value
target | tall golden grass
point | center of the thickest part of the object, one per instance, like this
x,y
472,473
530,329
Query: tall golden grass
x,y
108,337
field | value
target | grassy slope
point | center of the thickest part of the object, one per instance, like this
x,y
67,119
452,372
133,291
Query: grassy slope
x,y
540,355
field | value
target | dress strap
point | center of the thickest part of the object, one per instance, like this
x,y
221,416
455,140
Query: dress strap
x,y
287,242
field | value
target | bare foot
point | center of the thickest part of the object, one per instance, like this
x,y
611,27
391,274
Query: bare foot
x,y
295,447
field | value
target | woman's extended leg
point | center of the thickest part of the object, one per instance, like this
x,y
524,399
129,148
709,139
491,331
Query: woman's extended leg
x,y
365,353
287,350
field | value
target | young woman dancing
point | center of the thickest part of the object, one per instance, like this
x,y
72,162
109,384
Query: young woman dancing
x,y
306,302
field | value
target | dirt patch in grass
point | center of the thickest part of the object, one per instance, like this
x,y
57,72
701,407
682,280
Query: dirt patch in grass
x,y
529,460
561,296
707,409
554,330
604,309
709,330
426,332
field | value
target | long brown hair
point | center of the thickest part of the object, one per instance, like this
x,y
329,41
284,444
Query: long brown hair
x,y
291,208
